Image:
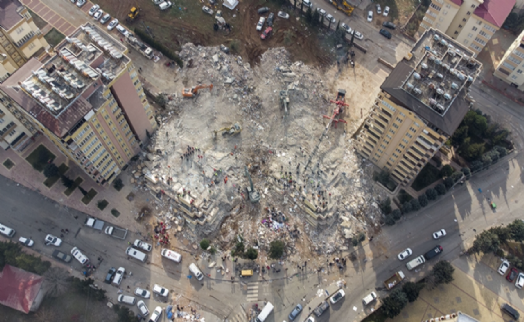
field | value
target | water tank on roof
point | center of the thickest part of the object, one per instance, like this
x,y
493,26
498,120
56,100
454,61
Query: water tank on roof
x,y
440,91
417,91
450,46
423,66
436,37
443,42
432,102
440,107
439,75
438,61
453,71
446,66
454,86
461,76
416,76
431,57
447,96
470,79
409,86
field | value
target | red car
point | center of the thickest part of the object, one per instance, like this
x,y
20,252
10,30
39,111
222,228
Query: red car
x,y
266,33
512,274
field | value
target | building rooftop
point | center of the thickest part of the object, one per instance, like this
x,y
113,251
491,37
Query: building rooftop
x,y
19,289
495,11
9,13
433,82
457,2
71,83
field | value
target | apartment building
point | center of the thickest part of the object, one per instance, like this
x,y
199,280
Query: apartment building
x,y
87,99
511,67
20,38
421,104
471,23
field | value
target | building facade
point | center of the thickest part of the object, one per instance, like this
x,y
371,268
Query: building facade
x,y
87,99
471,23
20,38
421,104
511,67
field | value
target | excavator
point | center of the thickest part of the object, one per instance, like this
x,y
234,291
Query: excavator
x,y
193,91
253,195
232,130
133,13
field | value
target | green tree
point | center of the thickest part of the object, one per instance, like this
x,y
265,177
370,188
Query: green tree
x,y
486,242
456,176
415,205
354,242
396,214
476,166
443,272
118,184
446,171
204,244
276,249
212,250
68,183
423,200
503,233
239,249
403,196
124,314
51,170
56,281
516,229
467,172
440,189
501,150
385,206
412,290
252,253
431,194
477,124
394,303
161,100
472,152
460,135
448,182
389,220
407,207
309,16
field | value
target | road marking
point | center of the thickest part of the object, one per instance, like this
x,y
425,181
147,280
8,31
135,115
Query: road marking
x,y
239,317
252,292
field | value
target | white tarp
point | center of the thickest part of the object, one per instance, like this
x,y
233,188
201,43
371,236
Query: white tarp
x,y
231,4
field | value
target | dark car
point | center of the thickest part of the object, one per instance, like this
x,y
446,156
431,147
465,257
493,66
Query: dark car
x,y
263,10
110,275
434,252
385,33
506,308
296,311
512,274
61,256
270,19
390,25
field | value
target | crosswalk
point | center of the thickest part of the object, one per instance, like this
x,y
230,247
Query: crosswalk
x,y
252,292
240,316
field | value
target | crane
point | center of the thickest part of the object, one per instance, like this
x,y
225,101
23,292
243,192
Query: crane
x,y
193,91
254,196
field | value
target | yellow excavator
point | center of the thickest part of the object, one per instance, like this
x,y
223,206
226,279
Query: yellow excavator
x,y
193,91
232,130
133,13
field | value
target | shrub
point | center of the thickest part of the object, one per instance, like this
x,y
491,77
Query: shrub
x,y
158,46
51,170
102,204
407,207
396,214
354,242
276,249
118,184
212,250
448,182
115,212
415,205
446,171
239,249
476,166
467,172
251,253
389,220
443,272
456,176
204,244
440,189
423,200
385,206
403,196
431,194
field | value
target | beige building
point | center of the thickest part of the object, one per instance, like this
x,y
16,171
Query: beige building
x,y
421,104
87,99
511,67
20,38
471,23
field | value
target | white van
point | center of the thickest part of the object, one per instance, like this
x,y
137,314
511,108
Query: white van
x,y
265,312
370,298
126,299
165,5
194,269
416,262
172,255
119,276
136,254
4,230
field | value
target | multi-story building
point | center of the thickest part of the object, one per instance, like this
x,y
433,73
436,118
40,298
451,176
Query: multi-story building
x,y
421,104
20,38
87,99
471,23
511,67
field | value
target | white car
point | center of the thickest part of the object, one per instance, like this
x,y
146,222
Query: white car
x,y
386,11
283,15
378,8
207,10
358,35
93,9
370,16
337,296
405,254
156,314
260,23
439,234
52,240
346,28
331,18
122,30
79,256
321,11
98,14
520,281
157,289
142,308
26,241
112,24
142,293
504,267
310,319
142,245
105,18
80,3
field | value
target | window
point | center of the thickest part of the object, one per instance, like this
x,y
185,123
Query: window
x,y
480,41
479,22
380,151
133,75
383,146
514,60
445,12
514,77
508,66
395,155
518,53
488,27
395,125
402,146
483,33
466,41
464,20
13,132
136,82
398,150
389,137
477,48
402,114
412,130
2,121
472,6
391,130
31,46
474,29
448,6
460,26
468,13
139,89
19,30
519,71
456,32
405,141
399,120
470,35
434,6
431,13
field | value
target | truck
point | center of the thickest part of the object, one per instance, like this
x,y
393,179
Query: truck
x,y
394,280
139,46
116,232
415,262
94,223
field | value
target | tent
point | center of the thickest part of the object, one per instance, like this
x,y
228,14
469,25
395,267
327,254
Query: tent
x,y
230,4
20,290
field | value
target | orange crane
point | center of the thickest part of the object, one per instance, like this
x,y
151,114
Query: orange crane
x,y
193,91
341,103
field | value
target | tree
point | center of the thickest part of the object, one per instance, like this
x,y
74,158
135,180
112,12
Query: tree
x,y
443,272
43,156
302,8
448,182
118,184
440,189
456,176
338,26
412,290
503,233
239,249
423,200
68,183
51,170
396,214
321,21
477,124
467,172
431,194
252,253
501,150
415,205
446,171
516,229
460,135
56,281
389,220
476,166
486,242
472,152
403,196
309,16
276,249
204,244
124,314
385,206
354,242
407,207
394,303
161,100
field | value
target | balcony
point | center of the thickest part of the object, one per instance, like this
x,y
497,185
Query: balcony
x,y
25,39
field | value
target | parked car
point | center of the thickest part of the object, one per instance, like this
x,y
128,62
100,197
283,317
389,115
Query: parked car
x,y
142,245
377,6
513,272
142,308
207,10
93,9
120,272
80,3
405,254
321,11
61,256
6,231
156,314
26,241
142,293
520,281
105,18
370,16
358,35
122,30
110,274
506,308
386,11
98,14
390,25
260,23
337,296
307,3
296,311
385,33
310,319
503,268
112,24
270,19
346,27
79,256
331,18
439,234
283,15
52,240
157,289
263,10
266,33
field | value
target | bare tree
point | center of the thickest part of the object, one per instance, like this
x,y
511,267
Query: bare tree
x,y
56,281
45,314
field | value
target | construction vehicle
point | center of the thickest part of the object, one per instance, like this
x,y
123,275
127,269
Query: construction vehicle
x,y
232,130
394,280
193,91
284,100
253,195
133,13
143,49
345,7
